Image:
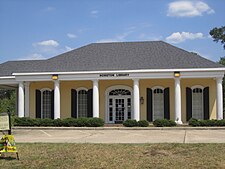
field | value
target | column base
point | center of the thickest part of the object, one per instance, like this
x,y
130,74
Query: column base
x,y
179,122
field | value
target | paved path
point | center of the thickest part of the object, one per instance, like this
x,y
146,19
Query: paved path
x,y
119,136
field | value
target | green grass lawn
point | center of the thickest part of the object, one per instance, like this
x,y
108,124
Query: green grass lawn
x,y
117,156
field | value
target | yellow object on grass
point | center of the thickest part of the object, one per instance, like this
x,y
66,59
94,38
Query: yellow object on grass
x,y
7,144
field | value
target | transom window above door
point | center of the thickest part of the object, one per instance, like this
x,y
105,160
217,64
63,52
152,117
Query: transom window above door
x,y
119,92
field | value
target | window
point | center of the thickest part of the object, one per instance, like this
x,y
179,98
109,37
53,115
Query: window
x,y
46,104
158,104
119,92
197,103
82,103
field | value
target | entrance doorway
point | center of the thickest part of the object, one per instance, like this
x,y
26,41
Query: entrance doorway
x,y
119,105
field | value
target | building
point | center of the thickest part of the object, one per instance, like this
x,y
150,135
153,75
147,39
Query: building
x,y
118,81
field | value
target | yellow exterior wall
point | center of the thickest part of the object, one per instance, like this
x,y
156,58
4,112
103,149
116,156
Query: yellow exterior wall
x,y
211,83
150,83
66,86
65,93
33,87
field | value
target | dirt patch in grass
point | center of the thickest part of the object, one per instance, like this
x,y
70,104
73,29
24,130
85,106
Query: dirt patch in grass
x,y
97,156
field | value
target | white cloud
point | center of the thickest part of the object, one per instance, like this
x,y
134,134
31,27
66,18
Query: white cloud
x,y
68,48
178,37
50,43
94,13
34,56
72,36
188,8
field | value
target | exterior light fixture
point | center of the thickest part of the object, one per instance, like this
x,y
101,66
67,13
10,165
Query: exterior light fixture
x,y
176,74
54,77
142,100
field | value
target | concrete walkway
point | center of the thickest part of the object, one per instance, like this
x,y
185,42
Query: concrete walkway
x,y
120,135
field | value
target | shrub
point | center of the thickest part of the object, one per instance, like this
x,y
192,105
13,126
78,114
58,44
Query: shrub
x,y
46,122
69,122
58,122
193,122
164,123
24,121
220,122
95,122
130,123
143,123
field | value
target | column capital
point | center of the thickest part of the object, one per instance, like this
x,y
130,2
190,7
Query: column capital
x,y
95,80
26,84
136,80
219,79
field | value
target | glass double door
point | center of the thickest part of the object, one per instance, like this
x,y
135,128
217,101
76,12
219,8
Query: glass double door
x,y
119,109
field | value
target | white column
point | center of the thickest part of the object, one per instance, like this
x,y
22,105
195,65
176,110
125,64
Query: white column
x,y
219,98
136,100
27,99
21,100
56,99
177,101
95,99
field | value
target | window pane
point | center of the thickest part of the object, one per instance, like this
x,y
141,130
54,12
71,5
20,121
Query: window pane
x,y
197,103
82,103
46,104
158,104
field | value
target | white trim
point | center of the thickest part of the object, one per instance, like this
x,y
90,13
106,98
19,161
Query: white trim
x,y
153,88
7,77
56,99
21,99
81,88
157,87
219,98
197,86
177,101
109,89
95,98
44,89
124,71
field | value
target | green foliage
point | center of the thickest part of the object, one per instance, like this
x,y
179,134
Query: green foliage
x,y
208,123
7,101
130,123
69,122
134,123
218,34
164,123
193,122
95,122
143,123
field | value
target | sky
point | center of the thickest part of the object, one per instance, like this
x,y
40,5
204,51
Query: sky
x,y
40,29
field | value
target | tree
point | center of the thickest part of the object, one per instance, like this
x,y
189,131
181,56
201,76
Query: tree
x,y
218,34
7,101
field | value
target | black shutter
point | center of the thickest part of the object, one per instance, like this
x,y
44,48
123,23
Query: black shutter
x,y
52,104
38,104
167,103
90,103
149,104
206,103
189,103
73,103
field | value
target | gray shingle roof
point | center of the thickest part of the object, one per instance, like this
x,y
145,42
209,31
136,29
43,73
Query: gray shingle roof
x,y
114,56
